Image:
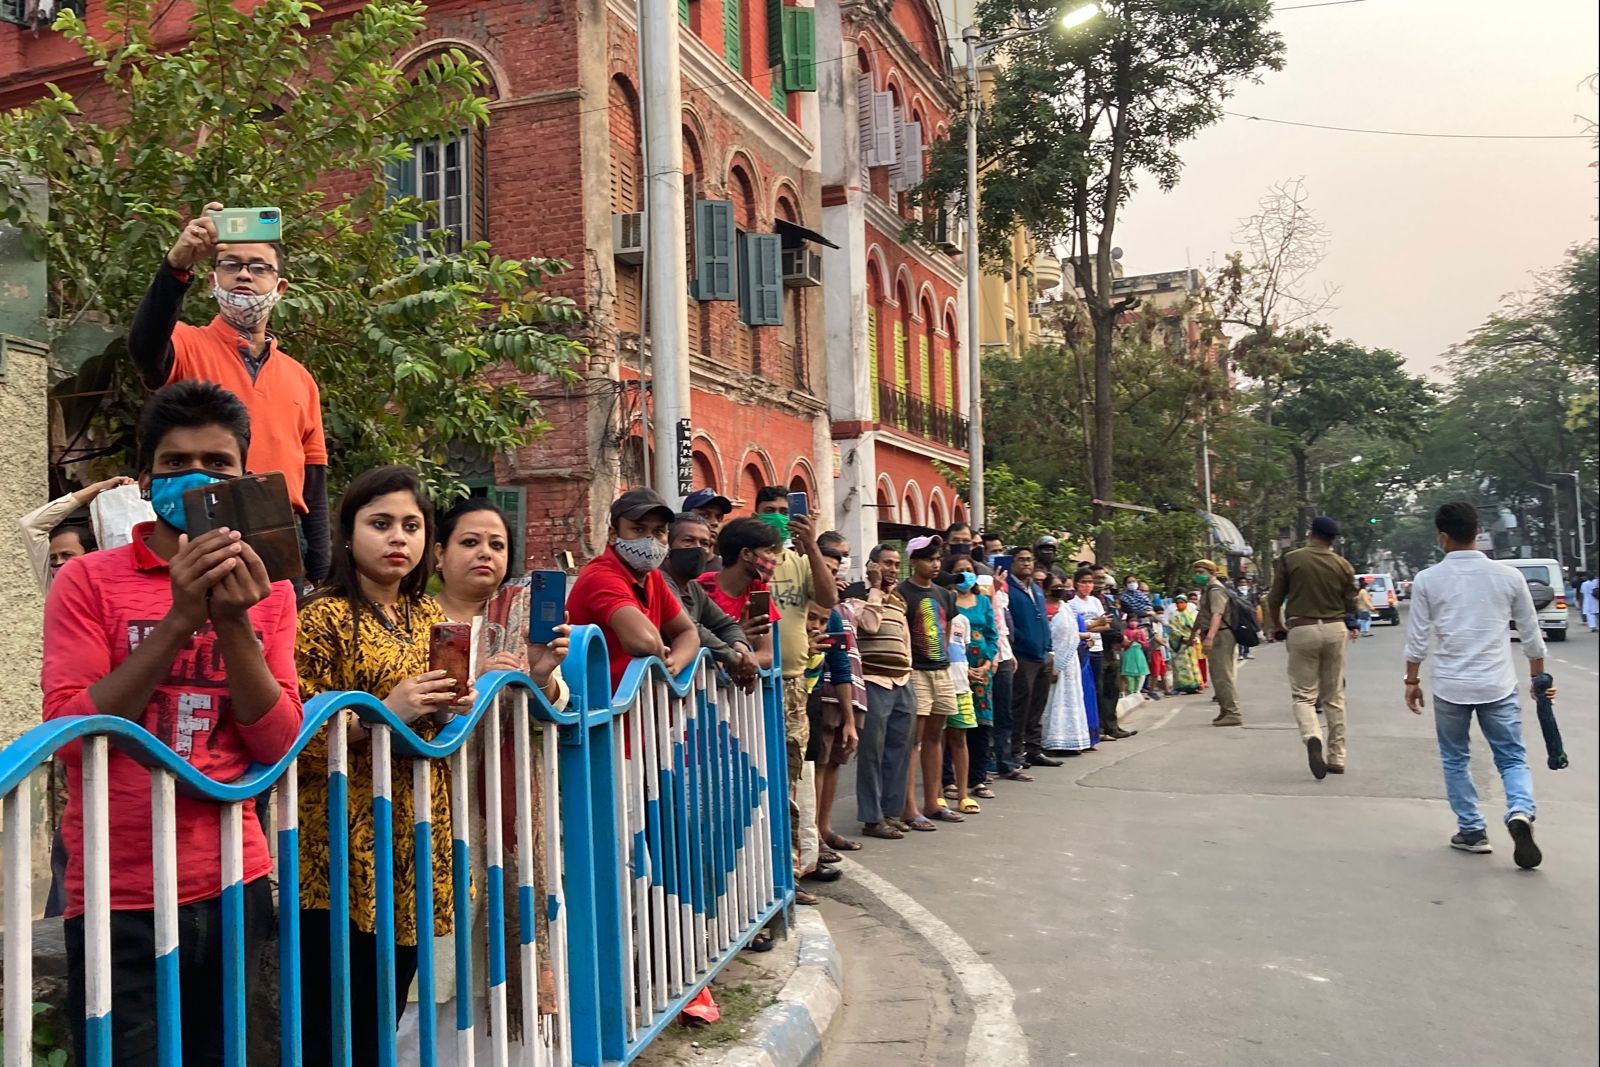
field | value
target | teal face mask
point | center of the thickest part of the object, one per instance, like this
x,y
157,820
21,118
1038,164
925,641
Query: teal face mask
x,y
166,494
777,520
966,582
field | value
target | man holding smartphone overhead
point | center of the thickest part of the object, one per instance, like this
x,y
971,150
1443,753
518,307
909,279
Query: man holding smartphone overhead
x,y
235,350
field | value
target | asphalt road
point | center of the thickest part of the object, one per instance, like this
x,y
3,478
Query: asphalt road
x,y
1193,896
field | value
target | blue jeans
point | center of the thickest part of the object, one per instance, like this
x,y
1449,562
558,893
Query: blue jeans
x,y
1364,620
1501,723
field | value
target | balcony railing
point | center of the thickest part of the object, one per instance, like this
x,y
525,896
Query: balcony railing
x,y
917,416
663,849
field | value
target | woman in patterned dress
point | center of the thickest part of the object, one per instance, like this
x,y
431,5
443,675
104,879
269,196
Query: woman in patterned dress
x,y
367,628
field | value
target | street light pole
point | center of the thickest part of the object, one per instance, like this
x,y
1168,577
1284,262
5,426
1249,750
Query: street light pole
x,y
975,502
1555,513
975,45
1577,500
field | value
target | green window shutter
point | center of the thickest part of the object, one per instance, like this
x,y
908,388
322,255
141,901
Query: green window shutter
x,y
714,251
925,367
900,367
761,291
777,27
780,99
683,11
730,34
513,500
872,356
800,49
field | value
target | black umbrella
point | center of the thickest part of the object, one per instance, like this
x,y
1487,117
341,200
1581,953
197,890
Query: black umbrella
x,y
1555,751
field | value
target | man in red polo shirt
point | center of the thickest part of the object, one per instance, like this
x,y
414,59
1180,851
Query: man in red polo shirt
x,y
623,592
190,640
236,351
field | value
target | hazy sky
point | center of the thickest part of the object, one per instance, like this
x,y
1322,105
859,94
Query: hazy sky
x,y
1427,235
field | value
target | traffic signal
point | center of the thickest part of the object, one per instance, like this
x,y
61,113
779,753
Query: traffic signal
x,y
1373,521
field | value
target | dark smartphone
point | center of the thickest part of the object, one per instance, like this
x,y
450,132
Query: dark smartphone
x,y
837,643
1001,563
257,505
548,606
798,505
450,650
854,591
760,603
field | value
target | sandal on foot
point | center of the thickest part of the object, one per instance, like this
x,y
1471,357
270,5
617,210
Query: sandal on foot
x,y
983,792
762,942
1018,776
921,825
828,855
944,815
841,844
971,807
950,792
802,897
882,830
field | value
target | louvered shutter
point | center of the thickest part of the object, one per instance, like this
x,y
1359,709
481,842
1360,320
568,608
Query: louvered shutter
x,y
683,11
715,251
872,357
730,34
925,368
900,370
907,170
775,31
800,49
884,141
949,361
897,129
864,134
761,271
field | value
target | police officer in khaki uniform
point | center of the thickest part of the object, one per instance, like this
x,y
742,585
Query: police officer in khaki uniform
x,y
1222,651
1312,606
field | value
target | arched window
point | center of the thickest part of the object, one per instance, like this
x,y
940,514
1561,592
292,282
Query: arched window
x,y
930,378
792,366
742,191
626,194
704,469
952,363
751,481
693,173
902,341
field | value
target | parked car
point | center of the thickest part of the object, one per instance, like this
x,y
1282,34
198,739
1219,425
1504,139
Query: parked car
x,y
1385,597
1548,586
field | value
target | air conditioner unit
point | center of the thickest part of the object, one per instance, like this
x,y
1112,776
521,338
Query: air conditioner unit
x,y
802,268
37,13
948,231
627,237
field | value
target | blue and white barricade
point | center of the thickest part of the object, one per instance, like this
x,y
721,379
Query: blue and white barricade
x,y
665,848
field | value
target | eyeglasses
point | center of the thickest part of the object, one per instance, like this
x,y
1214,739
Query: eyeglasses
x,y
257,269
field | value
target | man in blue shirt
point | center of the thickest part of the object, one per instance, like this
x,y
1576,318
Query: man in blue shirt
x,y
1030,642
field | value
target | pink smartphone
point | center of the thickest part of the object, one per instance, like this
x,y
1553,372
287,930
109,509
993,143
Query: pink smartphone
x,y
450,650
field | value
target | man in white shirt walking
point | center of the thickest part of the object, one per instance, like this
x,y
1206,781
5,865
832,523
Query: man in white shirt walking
x,y
1589,596
1463,605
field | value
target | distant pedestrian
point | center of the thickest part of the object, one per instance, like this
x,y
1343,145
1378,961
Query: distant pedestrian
x,y
1216,641
1590,592
1185,659
1364,608
1462,605
1313,593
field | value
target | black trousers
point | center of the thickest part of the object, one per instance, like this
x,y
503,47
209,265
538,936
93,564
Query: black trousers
x,y
133,977
1108,686
1000,700
316,991
1030,689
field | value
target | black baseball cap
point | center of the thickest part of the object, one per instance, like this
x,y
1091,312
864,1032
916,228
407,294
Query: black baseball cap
x,y
636,504
1324,527
707,498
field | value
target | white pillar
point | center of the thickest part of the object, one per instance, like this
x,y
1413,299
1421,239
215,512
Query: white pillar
x,y
665,246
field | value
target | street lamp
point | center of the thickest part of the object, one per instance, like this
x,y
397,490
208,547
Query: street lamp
x,y
1076,17
1577,500
1322,468
1555,513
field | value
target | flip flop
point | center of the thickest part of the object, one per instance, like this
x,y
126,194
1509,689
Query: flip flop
x,y
945,815
842,844
983,792
921,824
1018,776
971,807
827,855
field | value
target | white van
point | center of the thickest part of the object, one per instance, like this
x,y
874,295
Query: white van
x,y
1549,589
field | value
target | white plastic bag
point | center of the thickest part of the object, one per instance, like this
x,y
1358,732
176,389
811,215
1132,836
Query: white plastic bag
x,y
116,512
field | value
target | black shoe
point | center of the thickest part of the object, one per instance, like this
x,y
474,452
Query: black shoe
x,y
1471,841
1525,852
823,874
1119,733
1319,767
1039,759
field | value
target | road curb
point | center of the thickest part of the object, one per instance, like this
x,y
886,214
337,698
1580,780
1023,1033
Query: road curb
x,y
1129,702
790,1032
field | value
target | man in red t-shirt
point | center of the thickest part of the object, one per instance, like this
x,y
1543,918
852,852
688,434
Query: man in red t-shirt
x,y
623,592
189,639
749,549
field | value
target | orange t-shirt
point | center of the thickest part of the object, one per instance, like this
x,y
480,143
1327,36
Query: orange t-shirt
x,y
285,407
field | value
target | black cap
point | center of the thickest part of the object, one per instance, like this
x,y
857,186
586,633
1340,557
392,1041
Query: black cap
x,y
1324,527
635,504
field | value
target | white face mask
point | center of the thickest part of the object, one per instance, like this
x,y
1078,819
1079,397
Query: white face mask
x,y
642,553
844,567
244,311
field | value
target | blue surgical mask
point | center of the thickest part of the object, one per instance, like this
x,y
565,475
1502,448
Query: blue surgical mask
x,y
966,582
166,494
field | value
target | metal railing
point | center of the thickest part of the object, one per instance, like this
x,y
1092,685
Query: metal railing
x,y
916,415
666,850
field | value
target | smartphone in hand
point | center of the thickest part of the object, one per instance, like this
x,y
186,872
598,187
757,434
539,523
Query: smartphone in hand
x,y
450,650
257,505
247,225
799,505
548,606
760,603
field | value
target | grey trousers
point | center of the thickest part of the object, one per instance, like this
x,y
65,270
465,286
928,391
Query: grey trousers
x,y
883,754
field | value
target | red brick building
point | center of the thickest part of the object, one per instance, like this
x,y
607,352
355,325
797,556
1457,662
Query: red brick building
x,y
558,173
895,320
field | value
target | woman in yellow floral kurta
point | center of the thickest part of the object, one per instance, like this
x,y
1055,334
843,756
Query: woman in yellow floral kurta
x,y
367,629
